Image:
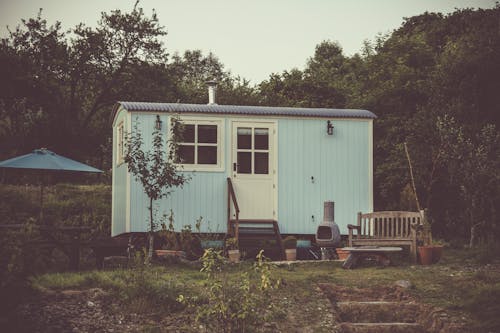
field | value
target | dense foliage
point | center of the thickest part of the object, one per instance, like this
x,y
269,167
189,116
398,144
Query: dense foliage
x,y
433,84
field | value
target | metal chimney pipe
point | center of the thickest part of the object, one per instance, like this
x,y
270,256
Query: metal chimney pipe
x,y
329,212
212,92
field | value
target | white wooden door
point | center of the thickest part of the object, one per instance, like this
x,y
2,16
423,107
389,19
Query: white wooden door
x,y
254,170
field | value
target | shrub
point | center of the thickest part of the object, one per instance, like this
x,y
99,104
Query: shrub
x,y
232,243
169,239
233,305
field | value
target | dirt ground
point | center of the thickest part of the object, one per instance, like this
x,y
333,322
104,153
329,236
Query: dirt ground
x,y
434,320
94,310
91,310
310,310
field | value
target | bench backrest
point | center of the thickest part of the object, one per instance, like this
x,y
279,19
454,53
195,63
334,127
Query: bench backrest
x,y
390,224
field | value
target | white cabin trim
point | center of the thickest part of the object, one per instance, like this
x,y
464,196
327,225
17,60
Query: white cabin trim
x,y
221,153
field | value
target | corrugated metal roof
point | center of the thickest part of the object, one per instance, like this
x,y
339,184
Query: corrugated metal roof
x,y
246,110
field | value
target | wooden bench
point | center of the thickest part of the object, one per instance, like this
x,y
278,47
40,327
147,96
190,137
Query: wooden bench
x,y
390,228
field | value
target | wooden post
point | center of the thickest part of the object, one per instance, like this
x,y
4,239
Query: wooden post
x,y
411,176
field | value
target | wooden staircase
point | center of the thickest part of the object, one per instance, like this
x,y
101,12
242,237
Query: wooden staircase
x,y
249,233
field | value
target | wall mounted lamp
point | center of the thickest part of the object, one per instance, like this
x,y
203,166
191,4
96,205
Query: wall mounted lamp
x,y
158,123
329,127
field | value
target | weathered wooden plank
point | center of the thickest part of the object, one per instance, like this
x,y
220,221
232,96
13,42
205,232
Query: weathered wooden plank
x,y
387,228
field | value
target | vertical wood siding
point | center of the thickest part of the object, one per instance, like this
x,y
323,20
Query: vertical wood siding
x,y
204,195
340,165
119,187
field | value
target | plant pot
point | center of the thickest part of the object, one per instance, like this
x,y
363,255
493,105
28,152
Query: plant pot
x,y
342,254
234,255
174,253
425,255
437,252
291,254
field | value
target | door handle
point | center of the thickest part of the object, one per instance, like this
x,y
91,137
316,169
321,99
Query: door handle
x,y
235,167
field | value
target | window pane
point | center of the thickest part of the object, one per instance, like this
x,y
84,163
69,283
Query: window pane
x,y
244,162
188,133
186,154
262,163
207,133
207,155
261,138
244,138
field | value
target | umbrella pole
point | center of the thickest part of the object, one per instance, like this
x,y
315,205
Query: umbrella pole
x,y
41,201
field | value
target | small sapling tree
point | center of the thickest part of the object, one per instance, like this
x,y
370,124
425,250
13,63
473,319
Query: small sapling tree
x,y
155,169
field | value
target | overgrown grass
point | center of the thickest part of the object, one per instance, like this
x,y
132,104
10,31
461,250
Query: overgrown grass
x,y
458,284
141,289
63,204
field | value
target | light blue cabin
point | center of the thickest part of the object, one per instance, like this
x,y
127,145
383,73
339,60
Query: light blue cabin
x,y
283,164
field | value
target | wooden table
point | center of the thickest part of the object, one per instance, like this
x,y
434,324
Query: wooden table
x,y
378,252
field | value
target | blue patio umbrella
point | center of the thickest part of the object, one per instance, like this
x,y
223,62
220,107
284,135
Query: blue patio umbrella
x,y
44,160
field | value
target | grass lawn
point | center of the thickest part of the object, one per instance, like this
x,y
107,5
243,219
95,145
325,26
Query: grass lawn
x,y
466,283
460,284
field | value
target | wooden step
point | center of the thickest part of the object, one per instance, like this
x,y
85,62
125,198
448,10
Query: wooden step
x,y
380,328
377,312
254,221
257,229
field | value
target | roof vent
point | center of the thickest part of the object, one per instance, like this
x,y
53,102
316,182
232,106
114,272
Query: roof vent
x,y
212,92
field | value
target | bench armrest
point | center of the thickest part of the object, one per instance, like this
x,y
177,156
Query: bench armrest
x,y
351,232
415,226
352,227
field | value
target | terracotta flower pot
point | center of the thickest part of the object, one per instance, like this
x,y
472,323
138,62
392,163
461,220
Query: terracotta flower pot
x,y
234,255
437,252
425,255
291,254
342,254
164,253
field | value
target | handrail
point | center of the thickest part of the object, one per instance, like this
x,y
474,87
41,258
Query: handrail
x,y
232,196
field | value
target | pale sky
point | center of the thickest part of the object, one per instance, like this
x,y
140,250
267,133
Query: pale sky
x,y
252,38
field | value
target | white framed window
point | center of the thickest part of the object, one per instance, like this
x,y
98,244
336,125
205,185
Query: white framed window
x,y
202,146
120,143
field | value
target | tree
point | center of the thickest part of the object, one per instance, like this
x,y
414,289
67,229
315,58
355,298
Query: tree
x,y
473,164
155,169
76,77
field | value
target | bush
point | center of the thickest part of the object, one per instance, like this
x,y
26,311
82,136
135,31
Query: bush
x,y
237,304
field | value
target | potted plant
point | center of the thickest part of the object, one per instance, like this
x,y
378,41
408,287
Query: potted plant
x,y
170,244
424,243
437,250
425,254
342,254
232,250
290,244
